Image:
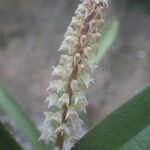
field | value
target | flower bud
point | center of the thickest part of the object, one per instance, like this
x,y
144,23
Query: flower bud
x,y
93,26
63,129
87,51
77,58
103,2
83,40
74,85
81,69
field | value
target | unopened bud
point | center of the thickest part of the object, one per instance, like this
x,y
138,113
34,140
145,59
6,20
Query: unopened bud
x,y
81,68
74,85
104,3
83,40
97,37
87,51
93,26
77,58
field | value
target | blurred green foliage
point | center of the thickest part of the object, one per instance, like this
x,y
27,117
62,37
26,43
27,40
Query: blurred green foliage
x,y
15,112
7,141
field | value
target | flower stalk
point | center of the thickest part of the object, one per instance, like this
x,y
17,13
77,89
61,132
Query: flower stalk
x,y
73,76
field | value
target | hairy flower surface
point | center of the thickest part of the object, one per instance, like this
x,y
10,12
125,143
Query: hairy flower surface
x,y
72,76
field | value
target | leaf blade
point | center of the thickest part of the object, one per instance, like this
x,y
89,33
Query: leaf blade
x,y
121,127
15,112
7,141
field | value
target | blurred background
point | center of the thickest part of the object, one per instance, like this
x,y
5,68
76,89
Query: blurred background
x,y
31,32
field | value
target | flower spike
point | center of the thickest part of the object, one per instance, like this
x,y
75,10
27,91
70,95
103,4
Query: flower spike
x,y
72,76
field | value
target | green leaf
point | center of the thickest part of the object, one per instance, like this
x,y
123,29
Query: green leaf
x,y
7,141
109,33
127,128
27,127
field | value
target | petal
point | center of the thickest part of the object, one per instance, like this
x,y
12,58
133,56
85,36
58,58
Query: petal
x,y
64,99
63,129
71,112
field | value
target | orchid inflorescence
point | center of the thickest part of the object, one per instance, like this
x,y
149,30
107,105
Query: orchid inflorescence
x,y
73,75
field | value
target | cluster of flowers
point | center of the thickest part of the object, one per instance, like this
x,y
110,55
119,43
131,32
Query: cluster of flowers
x,y
73,75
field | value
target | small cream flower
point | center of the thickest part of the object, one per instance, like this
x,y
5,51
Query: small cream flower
x,y
64,99
74,85
57,86
56,116
71,113
52,100
63,129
